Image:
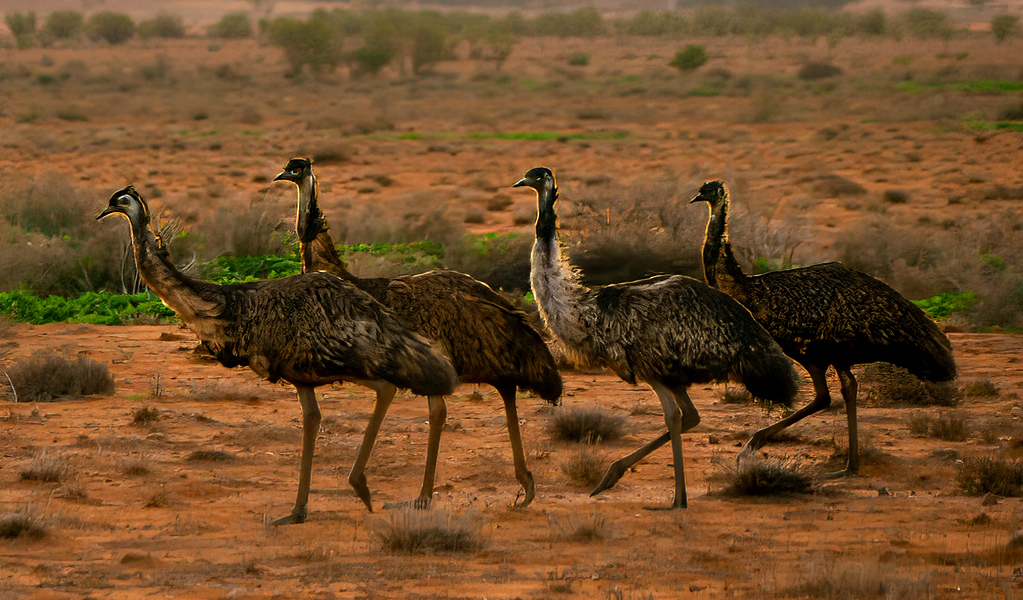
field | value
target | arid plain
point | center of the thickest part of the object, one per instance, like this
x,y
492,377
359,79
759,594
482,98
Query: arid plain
x,y
855,165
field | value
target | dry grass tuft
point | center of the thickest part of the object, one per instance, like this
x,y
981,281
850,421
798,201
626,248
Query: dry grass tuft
x,y
157,499
44,378
21,524
209,456
145,416
889,385
950,426
218,390
134,464
990,475
47,468
584,467
582,528
737,395
768,477
586,424
980,388
410,531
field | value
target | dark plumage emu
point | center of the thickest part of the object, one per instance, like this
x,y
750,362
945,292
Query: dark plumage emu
x,y
668,331
308,330
487,339
825,315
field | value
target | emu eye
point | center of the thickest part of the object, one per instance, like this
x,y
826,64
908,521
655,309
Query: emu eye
x,y
296,171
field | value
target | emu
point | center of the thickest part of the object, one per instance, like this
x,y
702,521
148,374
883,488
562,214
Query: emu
x,y
667,331
487,339
825,315
309,330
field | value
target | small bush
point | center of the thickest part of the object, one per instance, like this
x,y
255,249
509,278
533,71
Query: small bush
x,y
41,379
768,477
21,524
1011,113
584,467
134,465
115,28
690,58
737,395
815,70
499,202
583,528
1004,26
209,456
980,388
579,59
232,26
896,196
64,24
950,426
586,424
371,59
430,45
410,531
889,385
145,416
925,23
874,22
163,25
21,24
990,475
47,468
920,423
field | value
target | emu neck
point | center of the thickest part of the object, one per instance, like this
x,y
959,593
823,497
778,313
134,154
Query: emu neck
x,y
177,290
720,267
554,282
316,246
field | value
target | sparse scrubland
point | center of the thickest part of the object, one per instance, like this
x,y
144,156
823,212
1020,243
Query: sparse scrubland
x,y
885,138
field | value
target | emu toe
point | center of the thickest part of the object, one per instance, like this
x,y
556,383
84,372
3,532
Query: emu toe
x,y
297,516
526,493
611,477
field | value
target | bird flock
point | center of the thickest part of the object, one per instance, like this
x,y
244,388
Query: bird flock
x,y
429,332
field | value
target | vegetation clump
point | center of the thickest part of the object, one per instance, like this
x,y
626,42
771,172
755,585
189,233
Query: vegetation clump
x,y
21,524
990,475
64,24
112,27
45,378
232,26
816,70
163,25
584,467
767,477
586,424
889,385
411,531
690,58
1004,26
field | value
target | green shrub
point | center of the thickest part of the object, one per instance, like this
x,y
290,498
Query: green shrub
x,y
943,305
370,59
64,24
430,45
1004,26
163,25
579,59
232,26
874,22
925,23
692,57
115,28
21,24
312,42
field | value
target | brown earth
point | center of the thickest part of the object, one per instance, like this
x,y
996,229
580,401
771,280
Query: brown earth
x,y
221,121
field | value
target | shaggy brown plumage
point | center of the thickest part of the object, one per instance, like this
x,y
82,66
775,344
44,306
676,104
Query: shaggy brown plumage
x,y
825,315
308,330
486,338
668,331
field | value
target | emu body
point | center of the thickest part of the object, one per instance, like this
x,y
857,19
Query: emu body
x,y
486,338
308,330
825,315
668,331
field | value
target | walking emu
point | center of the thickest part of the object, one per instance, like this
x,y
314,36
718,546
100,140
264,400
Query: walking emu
x,y
308,330
669,331
486,338
825,315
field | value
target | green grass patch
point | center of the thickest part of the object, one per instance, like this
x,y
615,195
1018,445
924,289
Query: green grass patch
x,y
980,86
101,308
941,306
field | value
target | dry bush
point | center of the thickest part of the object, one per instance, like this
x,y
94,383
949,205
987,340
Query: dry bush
x,y
135,464
830,185
767,477
47,468
24,523
980,388
44,378
950,426
584,467
144,416
209,456
737,395
499,202
586,424
896,196
502,261
576,527
71,489
830,579
920,423
411,531
157,499
989,475
890,385
220,391
257,230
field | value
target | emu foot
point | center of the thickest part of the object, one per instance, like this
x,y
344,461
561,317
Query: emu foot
x,y
611,477
297,516
847,472
671,507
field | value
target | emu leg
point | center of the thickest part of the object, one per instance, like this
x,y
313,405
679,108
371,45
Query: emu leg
x,y
821,400
310,429
674,403
438,416
357,476
849,389
522,473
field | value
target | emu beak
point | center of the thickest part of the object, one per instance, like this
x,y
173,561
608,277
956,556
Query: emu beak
x,y
107,211
521,182
696,199
284,176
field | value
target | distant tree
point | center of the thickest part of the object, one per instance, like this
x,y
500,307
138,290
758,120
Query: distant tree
x,y
925,23
163,25
23,26
1004,26
313,42
874,22
64,24
692,57
430,44
114,27
233,26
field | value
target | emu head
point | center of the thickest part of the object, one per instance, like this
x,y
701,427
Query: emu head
x,y
542,180
128,202
713,193
296,170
